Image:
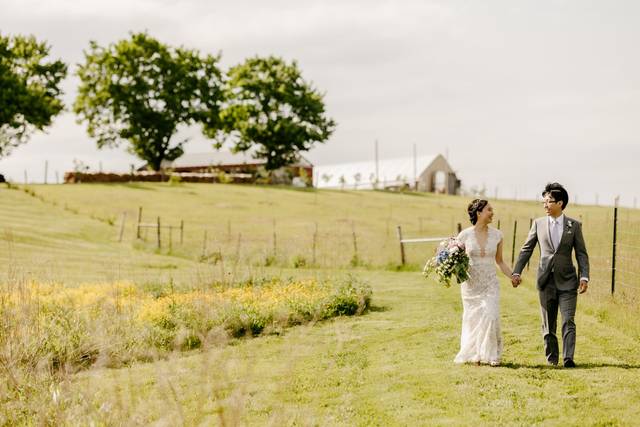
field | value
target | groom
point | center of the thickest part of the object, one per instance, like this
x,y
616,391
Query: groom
x,y
557,283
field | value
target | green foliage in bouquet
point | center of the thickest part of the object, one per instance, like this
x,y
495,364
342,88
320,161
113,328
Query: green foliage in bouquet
x,y
450,260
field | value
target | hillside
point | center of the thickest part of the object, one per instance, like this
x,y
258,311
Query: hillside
x,y
390,366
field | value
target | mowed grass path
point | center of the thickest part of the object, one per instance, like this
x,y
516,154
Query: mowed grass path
x,y
392,366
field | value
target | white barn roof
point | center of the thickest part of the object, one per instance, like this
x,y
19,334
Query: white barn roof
x,y
391,172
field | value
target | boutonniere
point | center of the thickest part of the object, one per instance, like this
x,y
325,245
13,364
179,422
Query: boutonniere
x,y
569,225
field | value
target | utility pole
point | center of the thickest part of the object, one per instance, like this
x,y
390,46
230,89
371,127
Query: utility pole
x,y
415,166
376,156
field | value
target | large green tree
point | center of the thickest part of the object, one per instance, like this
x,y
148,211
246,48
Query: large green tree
x,y
29,89
140,90
273,111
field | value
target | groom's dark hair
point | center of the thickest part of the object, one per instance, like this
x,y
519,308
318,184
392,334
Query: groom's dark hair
x,y
557,192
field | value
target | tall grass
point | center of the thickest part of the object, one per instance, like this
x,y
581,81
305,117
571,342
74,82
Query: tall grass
x,y
48,331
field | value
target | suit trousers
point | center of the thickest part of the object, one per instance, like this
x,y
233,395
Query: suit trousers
x,y
552,299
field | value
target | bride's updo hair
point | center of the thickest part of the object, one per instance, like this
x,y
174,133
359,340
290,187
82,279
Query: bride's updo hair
x,y
476,205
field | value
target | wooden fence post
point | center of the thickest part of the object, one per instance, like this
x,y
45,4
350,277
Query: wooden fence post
x,y
402,257
459,228
170,238
124,218
355,242
315,242
204,245
181,231
275,246
138,223
159,242
238,248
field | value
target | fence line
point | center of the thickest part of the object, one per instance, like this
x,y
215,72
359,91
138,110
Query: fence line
x,y
629,246
626,285
345,242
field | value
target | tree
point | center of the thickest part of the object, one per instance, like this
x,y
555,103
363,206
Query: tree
x,y
356,179
270,109
29,90
140,91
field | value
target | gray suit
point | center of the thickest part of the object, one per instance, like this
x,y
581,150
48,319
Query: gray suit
x,y
557,281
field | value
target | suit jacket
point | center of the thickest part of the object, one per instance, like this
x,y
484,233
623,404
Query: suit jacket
x,y
556,261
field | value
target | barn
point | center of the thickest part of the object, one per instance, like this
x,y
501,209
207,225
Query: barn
x,y
423,173
240,167
226,161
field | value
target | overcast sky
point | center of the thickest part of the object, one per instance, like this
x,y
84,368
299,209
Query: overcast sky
x,y
518,93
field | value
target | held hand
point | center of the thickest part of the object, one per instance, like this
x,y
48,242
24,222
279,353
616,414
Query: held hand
x,y
583,286
515,280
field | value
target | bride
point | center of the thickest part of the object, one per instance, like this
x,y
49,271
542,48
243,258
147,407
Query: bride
x,y
481,340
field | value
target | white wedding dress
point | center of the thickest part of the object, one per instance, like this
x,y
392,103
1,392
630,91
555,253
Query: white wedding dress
x,y
481,340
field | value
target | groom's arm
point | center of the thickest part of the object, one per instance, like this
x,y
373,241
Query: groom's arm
x,y
527,249
582,257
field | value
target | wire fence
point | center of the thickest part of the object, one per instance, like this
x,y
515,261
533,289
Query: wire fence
x,y
347,236
613,243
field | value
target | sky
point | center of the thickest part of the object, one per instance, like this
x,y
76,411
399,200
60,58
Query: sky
x,y
515,93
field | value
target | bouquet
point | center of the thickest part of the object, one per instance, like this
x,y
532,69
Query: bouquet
x,y
450,260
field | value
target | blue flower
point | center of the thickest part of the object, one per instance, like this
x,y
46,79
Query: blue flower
x,y
442,256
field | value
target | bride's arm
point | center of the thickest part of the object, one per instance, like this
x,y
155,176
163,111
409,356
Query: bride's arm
x,y
503,265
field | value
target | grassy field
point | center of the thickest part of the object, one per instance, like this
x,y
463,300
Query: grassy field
x,y
390,366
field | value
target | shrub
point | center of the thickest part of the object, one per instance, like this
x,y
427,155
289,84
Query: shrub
x,y
299,261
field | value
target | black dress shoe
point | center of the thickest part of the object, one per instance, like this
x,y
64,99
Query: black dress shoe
x,y
552,362
569,363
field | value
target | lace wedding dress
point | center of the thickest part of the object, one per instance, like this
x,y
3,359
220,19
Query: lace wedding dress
x,y
481,339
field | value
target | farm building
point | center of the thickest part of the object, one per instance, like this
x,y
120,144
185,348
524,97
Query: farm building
x,y
424,173
227,162
241,167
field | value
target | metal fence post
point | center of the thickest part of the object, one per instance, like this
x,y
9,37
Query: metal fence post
x,y
530,225
613,257
513,246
